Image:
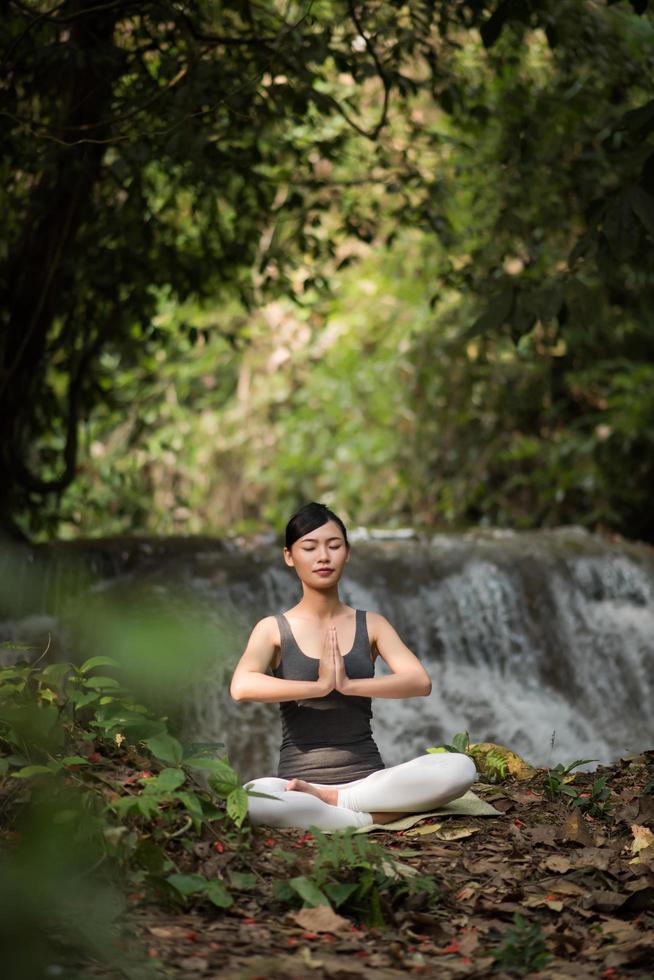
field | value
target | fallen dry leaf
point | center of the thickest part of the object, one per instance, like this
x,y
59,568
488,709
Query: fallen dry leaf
x,y
468,941
542,833
603,900
575,828
195,964
645,857
557,862
456,832
643,838
617,930
168,932
594,857
426,828
321,919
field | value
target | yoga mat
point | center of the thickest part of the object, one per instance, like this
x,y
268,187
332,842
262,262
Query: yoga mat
x,y
468,805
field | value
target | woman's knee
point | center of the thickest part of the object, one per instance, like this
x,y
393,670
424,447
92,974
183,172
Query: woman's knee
x,y
266,784
465,770
460,768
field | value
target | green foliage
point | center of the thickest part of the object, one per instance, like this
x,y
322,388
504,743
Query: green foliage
x,y
556,780
492,765
78,753
453,224
460,743
359,877
556,785
524,949
496,766
598,801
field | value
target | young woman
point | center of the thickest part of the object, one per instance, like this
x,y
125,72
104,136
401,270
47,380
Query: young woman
x,y
318,661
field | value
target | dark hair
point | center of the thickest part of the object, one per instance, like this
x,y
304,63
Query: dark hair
x,y
307,519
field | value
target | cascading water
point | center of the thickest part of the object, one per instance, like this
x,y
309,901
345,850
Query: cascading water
x,y
529,638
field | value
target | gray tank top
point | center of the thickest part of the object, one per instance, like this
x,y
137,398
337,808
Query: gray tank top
x,y
326,740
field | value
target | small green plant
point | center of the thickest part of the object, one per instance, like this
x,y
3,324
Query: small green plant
x,y
492,763
460,743
359,877
598,802
557,780
495,766
523,949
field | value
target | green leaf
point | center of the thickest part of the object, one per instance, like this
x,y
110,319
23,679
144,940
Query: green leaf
x,y
282,892
211,812
217,767
126,805
495,315
165,747
81,698
576,764
242,880
218,894
339,891
167,781
152,857
4,766
37,770
192,804
237,805
148,807
74,760
309,891
12,672
460,741
101,682
222,778
56,672
98,662
187,884
116,717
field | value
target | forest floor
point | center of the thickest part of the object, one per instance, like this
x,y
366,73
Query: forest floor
x,y
582,886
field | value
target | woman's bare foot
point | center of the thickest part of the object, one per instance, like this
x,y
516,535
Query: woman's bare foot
x,y
324,793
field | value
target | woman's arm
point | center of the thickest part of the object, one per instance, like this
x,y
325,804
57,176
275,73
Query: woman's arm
x,y
409,678
250,682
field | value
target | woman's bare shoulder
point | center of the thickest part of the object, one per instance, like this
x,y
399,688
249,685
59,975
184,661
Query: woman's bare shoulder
x,y
374,618
376,623
266,629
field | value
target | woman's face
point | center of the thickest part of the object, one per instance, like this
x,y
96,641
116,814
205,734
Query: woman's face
x,y
319,556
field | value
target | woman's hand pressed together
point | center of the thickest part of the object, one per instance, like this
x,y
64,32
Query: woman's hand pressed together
x,y
326,668
342,681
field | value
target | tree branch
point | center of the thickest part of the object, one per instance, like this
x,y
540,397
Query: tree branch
x,y
381,71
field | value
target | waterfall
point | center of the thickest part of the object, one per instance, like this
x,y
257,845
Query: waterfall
x,y
542,641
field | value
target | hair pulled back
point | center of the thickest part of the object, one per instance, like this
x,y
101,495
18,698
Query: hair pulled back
x,y
307,519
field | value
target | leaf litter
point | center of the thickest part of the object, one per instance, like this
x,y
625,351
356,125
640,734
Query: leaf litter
x,y
574,890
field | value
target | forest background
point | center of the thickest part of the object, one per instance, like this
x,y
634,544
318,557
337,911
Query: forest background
x,y
393,256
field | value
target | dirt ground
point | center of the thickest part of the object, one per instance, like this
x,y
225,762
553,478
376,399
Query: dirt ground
x,y
586,883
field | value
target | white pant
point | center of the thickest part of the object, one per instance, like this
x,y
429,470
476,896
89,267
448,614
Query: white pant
x,y
412,787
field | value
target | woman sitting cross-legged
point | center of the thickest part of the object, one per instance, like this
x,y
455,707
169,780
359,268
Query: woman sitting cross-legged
x,y
330,773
